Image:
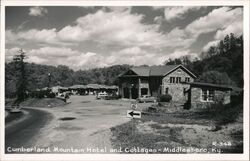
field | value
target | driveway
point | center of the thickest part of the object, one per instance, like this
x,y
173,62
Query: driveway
x,y
83,124
20,128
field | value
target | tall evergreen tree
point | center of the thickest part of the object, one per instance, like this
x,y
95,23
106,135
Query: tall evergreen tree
x,y
20,71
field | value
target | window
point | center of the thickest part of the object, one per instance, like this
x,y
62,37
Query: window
x,y
172,79
207,95
179,71
187,79
184,91
178,79
175,79
166,91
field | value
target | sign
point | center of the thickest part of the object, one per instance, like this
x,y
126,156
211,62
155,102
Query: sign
x,y
133,105
133,114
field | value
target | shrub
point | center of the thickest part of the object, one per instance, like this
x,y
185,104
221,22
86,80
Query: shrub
x,y
42,94
51,95
224,114
165,98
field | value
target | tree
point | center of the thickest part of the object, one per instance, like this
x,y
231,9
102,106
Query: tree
x,y
175,61
215,77
20,70
186,60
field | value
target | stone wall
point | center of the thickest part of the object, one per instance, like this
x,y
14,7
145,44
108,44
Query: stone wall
x,y
176,90
219,96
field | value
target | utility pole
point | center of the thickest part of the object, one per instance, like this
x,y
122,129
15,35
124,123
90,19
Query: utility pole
x,y
49,76
21,84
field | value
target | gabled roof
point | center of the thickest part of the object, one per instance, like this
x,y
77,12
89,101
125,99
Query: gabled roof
x,y
78,86
161,70
94,86
156,70
181,66
141,71
211,85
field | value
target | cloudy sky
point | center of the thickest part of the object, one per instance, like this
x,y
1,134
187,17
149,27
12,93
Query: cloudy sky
x,y
89,37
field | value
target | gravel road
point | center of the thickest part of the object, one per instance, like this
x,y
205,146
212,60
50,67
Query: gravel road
x,y
83,124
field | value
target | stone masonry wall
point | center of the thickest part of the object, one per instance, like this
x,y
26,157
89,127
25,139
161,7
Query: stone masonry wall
x,y
176,90
196,98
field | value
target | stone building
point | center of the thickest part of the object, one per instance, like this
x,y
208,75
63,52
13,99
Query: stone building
x,y
156,80
202,95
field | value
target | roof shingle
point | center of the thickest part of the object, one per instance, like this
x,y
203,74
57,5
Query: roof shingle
x,y
153,70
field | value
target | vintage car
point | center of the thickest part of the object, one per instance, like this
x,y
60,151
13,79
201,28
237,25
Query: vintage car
x,y
112,96
146,98
15,109
101,95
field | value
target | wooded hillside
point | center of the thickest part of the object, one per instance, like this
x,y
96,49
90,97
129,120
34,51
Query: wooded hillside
x,y
222,63
38,76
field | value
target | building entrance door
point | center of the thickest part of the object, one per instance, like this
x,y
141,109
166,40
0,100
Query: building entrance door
x,y
144,91
126,92
134,93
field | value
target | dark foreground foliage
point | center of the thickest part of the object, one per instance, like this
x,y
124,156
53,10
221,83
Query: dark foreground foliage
x,y
165,98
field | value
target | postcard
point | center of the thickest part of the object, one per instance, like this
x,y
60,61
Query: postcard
x,y
124,80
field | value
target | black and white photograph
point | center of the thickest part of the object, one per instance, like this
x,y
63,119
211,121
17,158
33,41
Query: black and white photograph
x,y
125,79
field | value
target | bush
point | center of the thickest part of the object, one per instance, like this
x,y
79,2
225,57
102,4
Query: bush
x,y
51,95
165,98
224,114
42,94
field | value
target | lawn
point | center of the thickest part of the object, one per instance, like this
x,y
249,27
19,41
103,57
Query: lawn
x,y
166,132
37,102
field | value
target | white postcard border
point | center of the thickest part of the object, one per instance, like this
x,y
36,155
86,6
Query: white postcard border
x,y
128,157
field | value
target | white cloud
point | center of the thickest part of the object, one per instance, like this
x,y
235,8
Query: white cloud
x,y
218,19
177,12
158,7
9,53
48,36
37,11
54,52
61,56
236,27
116,28
39,35
10,37
158,19
172,13
119,8
76,59
131,51
209,44
223,20
113,28
180,38
120,27
136,43
134,56
180,53
138,56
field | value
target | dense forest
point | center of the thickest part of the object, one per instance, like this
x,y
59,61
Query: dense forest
x,y
40,76
221,64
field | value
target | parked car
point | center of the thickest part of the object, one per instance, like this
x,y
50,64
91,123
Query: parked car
x,y
101,95
147,98
112,97
152,109
15,109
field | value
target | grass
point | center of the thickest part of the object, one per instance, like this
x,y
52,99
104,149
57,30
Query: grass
x,y
180,118
127,135
223,114
125,138
38,102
